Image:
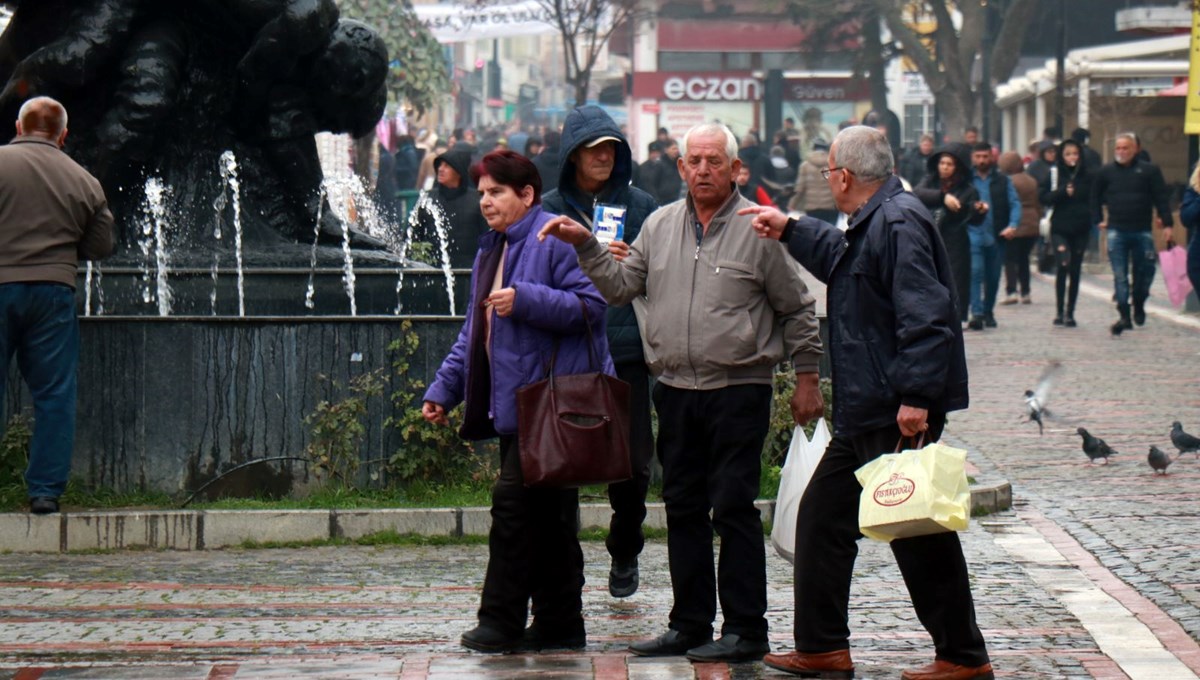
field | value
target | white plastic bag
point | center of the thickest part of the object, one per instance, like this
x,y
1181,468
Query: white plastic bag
x,y
803,456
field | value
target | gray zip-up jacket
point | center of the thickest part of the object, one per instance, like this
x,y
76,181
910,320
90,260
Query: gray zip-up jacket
x,y
720,310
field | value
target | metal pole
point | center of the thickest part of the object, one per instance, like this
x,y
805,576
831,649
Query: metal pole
x,y
985,88
1060,68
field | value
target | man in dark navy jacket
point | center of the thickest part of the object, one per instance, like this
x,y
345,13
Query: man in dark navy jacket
x,y
898,367
594,181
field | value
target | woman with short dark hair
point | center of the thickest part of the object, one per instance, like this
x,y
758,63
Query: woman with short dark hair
x,y
529,302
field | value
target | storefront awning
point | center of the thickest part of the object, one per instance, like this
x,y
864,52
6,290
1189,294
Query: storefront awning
x,y
1179,89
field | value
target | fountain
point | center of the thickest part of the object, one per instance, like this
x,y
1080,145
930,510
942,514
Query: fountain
x,y
241,290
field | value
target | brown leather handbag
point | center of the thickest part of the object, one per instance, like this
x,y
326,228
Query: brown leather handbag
x,y
573,430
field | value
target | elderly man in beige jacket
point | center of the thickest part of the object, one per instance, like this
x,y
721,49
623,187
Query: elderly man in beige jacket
x,y
722,308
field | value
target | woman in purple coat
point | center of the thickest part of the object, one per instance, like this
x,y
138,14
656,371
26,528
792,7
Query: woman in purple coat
x,y
525,301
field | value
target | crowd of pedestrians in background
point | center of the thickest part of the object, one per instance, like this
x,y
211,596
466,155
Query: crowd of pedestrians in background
x,y
1000,215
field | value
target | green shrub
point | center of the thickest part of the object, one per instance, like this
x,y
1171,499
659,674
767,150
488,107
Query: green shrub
x,y
336,430
430,452
14,458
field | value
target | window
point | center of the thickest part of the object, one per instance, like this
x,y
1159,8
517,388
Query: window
x,y
689,61
918,119
739,61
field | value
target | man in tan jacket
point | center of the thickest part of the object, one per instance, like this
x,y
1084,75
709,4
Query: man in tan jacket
x,y
52,214
721,309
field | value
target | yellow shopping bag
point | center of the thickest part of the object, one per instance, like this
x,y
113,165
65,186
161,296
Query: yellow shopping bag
x,y
913,493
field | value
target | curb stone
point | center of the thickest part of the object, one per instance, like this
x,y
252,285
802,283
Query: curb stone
x,y
213,529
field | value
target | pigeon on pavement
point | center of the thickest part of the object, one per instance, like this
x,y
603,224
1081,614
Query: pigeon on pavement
x,y
1158,460
1183,441
1035,399
1095,447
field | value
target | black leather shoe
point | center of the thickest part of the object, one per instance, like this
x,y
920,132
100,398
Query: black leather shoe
x,y
43,505
670,643
1139,314
540,637
489,640
623,578
1069,322
731,647
975,324
989,320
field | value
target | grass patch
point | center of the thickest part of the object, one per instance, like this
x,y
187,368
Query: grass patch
x,y
389,537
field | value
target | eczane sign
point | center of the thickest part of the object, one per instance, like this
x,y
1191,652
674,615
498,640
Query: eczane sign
x,y
712,88
740,86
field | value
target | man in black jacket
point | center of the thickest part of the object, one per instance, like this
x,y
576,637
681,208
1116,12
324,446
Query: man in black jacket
x,y
450,214
1132,190
899,367
650,173
593,184
547,162
913,165
1091,157
670,182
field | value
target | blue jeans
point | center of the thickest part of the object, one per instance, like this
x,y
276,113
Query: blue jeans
x,y
38,324
986,264
1134,248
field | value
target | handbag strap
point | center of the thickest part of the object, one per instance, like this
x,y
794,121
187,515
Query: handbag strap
x,y
919,439
593,356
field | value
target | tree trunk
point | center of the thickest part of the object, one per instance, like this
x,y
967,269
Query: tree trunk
x,y
957,109
581,89
875,64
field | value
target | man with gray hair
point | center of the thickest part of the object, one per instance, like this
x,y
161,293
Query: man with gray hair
x,y
722,309
52,214
1132,190
896,349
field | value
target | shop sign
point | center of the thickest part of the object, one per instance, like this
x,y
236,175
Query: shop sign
x,y
741,86
713,88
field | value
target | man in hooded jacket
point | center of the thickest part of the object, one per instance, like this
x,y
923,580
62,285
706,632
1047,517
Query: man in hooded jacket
x,y
595,173
455,204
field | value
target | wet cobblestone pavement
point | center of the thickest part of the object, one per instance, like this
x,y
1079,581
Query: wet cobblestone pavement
x,y
1092,575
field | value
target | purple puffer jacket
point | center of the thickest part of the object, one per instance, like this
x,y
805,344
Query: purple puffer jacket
x,y
549,286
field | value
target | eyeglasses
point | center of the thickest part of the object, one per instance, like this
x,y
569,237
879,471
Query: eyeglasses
x,y
826,172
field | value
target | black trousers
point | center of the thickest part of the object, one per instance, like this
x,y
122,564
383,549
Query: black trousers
x,y
628,499
710,444
1016,264
533,553
1068,253
827,534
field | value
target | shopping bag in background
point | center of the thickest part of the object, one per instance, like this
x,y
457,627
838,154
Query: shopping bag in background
x,y
1174,269
913,493
802,458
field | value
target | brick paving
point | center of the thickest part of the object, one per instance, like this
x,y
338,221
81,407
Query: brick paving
x,y
1083,542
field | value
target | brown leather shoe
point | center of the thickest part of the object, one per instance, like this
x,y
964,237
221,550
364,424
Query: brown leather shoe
x,y
835,664
944,670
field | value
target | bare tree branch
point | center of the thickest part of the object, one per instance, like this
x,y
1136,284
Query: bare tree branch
x,y
1007,49
584,34
913,46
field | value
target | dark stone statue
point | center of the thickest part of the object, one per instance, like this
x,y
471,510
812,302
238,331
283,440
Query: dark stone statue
x,y
161,89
